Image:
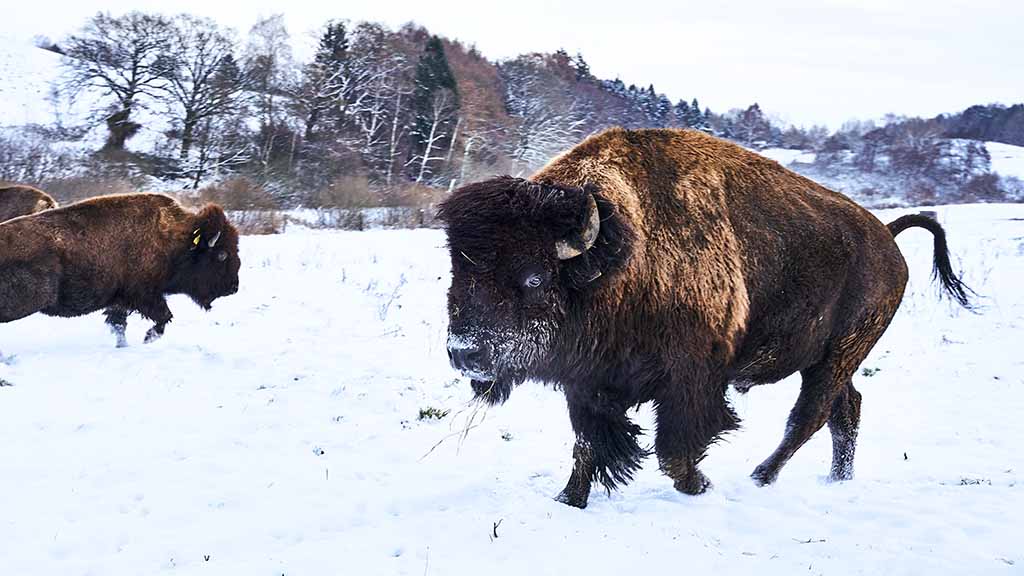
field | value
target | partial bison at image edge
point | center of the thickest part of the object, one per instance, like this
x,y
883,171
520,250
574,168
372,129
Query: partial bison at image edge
x,y
121,254
21,200
661,266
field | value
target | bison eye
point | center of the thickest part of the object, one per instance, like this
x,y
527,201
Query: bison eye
x,y
222,256
534,281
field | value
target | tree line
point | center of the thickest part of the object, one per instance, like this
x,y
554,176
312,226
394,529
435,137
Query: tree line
x,y
386,117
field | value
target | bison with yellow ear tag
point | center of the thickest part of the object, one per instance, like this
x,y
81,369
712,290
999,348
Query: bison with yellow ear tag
x,y
121,254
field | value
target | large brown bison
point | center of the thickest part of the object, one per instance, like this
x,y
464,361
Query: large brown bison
x,y
121,254
19,200
661,266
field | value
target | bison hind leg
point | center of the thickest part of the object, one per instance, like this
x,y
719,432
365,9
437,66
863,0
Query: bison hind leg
x,y
818,390
827,395
25,289
117,320
843,424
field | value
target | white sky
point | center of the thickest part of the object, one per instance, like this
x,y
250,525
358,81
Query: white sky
x,y
804,61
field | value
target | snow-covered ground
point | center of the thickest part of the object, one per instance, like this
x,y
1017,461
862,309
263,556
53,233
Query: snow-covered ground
x,y
279,434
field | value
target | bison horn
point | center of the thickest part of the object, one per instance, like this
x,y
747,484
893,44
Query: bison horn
x,y
213,241
566,250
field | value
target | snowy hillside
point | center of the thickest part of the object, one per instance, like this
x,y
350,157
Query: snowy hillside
x,y
279,434
27,74
31,94
1007,160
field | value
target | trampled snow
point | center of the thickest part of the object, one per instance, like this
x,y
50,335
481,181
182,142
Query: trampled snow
x,y
279,434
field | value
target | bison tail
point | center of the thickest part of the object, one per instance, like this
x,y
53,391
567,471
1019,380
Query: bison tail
x,y
941,268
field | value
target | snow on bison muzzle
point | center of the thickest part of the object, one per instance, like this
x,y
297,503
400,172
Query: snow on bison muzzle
x,y
661,266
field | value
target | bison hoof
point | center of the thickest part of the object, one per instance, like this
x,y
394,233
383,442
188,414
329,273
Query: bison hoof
x,y
693,484
840,475
152,336
764,475
574,500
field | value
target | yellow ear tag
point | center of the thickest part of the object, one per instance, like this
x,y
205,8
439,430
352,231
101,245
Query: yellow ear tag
x,y
195,239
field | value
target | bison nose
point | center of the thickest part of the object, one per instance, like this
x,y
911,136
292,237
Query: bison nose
x,y
469,358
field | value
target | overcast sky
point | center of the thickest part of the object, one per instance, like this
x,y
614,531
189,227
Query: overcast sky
x,y
804,61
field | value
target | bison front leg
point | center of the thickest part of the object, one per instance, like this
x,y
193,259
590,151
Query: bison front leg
x,y
606,448
690,418
577,489
117,319
160,314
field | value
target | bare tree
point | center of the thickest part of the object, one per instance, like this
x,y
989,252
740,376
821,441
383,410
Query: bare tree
x,y
383,81
548,118
271,69
397,133
435,122
202,78
221,143
121,58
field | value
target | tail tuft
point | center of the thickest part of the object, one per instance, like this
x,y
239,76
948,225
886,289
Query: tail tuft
x,y
941,267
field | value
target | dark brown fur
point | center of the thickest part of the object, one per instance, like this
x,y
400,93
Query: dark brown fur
x,y
713,266
19,200
121,254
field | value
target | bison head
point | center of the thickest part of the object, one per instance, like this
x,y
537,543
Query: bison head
x,y
209,267
521,252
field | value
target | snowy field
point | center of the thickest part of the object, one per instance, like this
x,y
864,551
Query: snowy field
x,y
279,434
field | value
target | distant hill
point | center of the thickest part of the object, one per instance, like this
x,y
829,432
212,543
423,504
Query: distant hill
x,y
994,122
398,117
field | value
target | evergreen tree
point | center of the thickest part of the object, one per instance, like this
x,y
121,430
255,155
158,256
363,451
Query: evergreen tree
x,y
682,114
333,46
435,104
582,68
697,119
325,82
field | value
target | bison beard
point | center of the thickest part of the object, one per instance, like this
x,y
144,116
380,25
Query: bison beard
x,y
492,392
661,266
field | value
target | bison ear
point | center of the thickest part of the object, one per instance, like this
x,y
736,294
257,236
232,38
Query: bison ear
x,y
210,224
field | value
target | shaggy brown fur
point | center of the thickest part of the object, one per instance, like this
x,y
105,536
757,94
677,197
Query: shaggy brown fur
x,y
19,200
118,253
713,266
